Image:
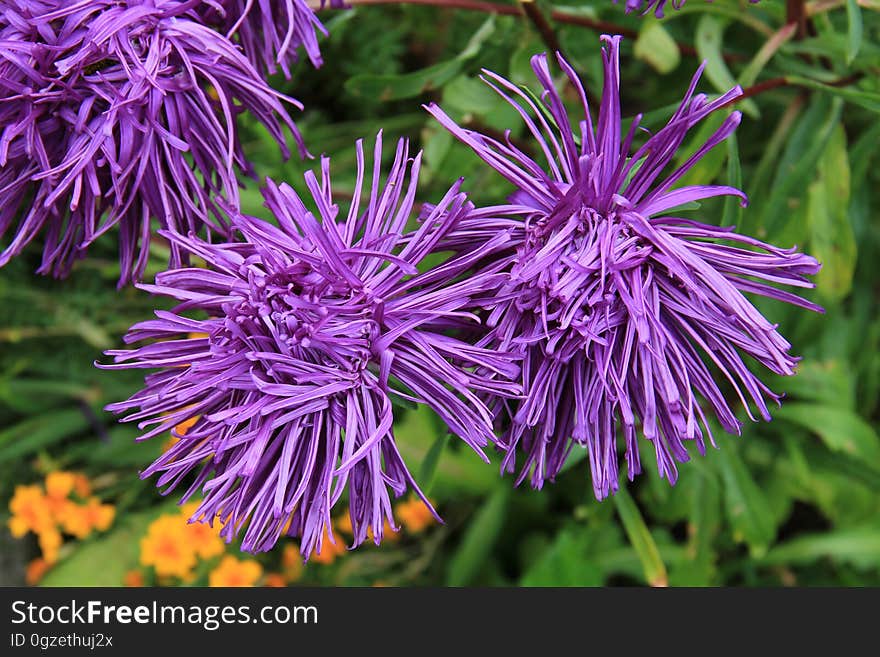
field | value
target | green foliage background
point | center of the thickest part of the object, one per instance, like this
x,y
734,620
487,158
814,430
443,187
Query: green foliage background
x,y
795,501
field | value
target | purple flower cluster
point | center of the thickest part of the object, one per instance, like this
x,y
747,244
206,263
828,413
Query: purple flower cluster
x,y
586,311
116,113
305,332
626,315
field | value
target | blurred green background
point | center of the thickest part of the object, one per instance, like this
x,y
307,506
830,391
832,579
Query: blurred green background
x,y
791,502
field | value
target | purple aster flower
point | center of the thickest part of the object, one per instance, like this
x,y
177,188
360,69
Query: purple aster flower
x,y
291,347
270,31
645,6
114,113
625,313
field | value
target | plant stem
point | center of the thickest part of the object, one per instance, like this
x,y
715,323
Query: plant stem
x,y
796,13
536,16
775,83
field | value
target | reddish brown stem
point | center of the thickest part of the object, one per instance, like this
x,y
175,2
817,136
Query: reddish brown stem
x,y
775,83
796,13
536,16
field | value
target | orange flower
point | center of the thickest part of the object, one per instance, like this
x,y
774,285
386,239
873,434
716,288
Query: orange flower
x,y
74,520
203,538
275,580
50,543
59,484
235,572
332,547
292,562
415,515
80,520
35,571
166,548
100,516
133,578
30,511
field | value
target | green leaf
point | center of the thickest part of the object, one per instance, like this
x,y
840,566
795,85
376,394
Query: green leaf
x,y
806,144
655,46
748,510
121,449
457,470
862,152
840,429
415,83
733,209
698,569
408,85
32,396
469,96
859,546
640,538
709,42
428,470
33,434
566,562
479,538
866,99
832,239
854,31
826,381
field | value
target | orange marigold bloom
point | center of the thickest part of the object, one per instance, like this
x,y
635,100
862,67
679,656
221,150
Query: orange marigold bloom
x,y
166,548
74,520
59,485
275,580
50,543
415,515
331,547
235,572
80,520
30,511
35,571
133,578
100,516
203,538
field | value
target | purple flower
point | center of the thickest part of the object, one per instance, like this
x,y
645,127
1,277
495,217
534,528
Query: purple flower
x,y
114,113
645,6
291,347
625,313
270,31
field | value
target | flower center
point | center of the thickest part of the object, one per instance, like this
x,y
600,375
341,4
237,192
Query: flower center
x,y
309,313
